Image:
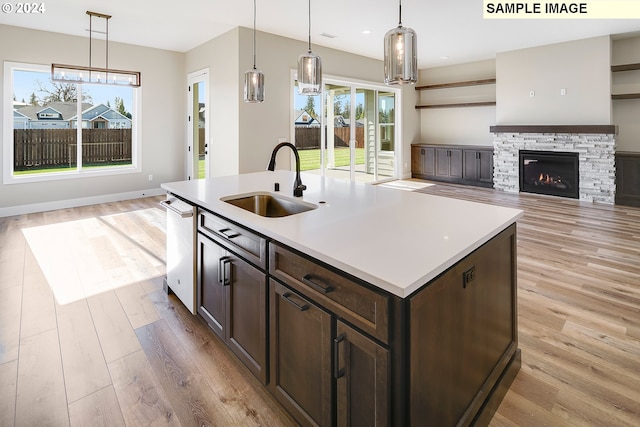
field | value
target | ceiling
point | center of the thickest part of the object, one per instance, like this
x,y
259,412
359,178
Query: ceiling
x,y
449,31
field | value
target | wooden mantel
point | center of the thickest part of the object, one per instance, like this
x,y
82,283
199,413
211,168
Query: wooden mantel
x,y
593,129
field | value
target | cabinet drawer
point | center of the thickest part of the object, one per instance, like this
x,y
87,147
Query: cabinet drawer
x,y
350,300
237,238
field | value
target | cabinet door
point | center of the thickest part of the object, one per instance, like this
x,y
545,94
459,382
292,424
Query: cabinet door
x,y
300,356
471,165
449,162
442,162
485,166
362,375
455,163
246,315
210,285
428,155
416,160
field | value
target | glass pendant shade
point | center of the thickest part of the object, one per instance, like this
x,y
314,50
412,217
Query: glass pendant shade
x,y
253,86
400,61
309,74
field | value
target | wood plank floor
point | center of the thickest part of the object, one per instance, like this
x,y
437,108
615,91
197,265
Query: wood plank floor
x,y
131,355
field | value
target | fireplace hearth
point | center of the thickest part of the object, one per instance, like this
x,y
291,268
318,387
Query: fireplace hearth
x,y
549,172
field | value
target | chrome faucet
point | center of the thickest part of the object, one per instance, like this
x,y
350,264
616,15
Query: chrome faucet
x,y
298,186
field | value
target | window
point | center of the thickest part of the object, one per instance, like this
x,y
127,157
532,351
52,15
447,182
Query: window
x,y
64,130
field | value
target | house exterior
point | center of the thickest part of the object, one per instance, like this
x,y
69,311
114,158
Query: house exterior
x,y
63,115
303,118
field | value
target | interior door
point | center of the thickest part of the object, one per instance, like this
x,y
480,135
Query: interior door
x,y
198,125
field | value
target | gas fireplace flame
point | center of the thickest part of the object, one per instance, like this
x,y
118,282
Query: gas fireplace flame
x,y
552,180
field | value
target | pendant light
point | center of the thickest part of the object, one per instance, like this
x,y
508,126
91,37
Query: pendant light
x,y
254,78
82,74
400,62
309,69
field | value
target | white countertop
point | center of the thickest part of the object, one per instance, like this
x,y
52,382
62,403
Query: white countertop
x,y
396,240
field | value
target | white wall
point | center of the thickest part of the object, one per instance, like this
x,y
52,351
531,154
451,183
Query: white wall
x,y
459,125
163,108
581,67
626,112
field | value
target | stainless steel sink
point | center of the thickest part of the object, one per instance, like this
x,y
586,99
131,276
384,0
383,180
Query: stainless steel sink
x,y
269,205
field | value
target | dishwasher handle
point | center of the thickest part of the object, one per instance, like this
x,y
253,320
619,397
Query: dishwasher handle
x,y
181,213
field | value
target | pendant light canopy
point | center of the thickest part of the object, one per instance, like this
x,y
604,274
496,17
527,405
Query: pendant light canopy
x,y
254,78
400,62
309,69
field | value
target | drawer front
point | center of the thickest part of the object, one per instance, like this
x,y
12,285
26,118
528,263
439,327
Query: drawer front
x,y
240,240
352,301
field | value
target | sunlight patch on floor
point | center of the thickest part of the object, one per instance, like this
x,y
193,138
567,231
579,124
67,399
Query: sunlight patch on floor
x,y
85,257
406,184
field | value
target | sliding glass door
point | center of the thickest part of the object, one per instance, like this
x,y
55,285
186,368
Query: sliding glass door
x,y
357,127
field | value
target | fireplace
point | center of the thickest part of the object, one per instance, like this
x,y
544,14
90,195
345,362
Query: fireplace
x,y
550,172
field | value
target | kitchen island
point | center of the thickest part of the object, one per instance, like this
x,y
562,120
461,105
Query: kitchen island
x,y
374,307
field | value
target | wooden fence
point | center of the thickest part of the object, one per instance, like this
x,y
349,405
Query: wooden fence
x,y
309,137
50,148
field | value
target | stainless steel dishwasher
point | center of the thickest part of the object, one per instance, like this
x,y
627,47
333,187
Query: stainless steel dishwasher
x,y
181,267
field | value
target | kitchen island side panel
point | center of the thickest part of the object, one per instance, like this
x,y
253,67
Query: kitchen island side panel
x,y
463,335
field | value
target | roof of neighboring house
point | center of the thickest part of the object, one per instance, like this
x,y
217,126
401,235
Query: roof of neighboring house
x,y
67,109
298,117
101,111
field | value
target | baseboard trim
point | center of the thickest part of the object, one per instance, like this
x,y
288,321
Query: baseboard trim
x,y
74,203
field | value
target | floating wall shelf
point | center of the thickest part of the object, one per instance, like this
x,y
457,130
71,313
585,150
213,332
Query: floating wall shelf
x,y
454,85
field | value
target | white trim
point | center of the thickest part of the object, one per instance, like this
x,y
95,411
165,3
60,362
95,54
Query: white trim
x,y
74,203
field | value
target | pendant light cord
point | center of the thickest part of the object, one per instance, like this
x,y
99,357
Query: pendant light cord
x,y
254,34
399,13
309,25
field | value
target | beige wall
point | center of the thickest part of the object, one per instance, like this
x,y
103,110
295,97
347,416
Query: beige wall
x,y
259,126
581,67
458,126
626,112
163,108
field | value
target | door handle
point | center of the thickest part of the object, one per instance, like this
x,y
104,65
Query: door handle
x,y
337,372
224,270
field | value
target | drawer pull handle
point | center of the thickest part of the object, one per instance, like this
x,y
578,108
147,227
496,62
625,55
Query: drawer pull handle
x,y
229,233
337,372
325,289
303,307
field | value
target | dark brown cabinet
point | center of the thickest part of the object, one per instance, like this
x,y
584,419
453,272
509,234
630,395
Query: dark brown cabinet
x,y
469,165
231,296
449,162
362,378
423,160
468,317
335,350
478,166
300,356
318,301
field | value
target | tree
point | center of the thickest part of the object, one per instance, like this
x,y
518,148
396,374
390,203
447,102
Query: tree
x,y
33,99
120,108
310,106
59,92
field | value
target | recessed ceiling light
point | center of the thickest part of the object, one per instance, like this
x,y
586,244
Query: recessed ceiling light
x,y
366,32
444,57
329,36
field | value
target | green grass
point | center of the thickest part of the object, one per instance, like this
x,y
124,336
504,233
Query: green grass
x,y
310,159
64,169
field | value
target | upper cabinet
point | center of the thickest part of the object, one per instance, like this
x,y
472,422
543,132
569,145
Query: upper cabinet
x,y
471,93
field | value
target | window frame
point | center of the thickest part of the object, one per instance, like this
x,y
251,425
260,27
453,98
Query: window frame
x,y
8,176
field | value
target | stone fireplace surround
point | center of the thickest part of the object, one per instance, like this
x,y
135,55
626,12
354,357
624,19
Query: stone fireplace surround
x,y
595,145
